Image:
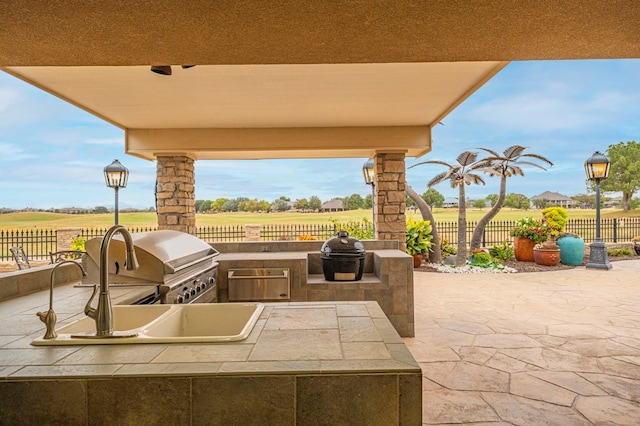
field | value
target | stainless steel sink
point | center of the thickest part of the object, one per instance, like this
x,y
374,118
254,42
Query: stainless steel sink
x,y
195,323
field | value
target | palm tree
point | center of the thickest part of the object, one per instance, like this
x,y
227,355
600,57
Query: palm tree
x,y
461,174
505,165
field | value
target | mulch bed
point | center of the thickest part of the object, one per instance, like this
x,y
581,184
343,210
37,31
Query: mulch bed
x,y
534,267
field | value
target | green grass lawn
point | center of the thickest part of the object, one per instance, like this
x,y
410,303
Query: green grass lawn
x,y
57,220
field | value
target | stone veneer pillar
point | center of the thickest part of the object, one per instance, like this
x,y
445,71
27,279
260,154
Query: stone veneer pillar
x,y
390,201
175,193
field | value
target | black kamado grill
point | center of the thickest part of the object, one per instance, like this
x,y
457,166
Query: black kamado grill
x,y
342,258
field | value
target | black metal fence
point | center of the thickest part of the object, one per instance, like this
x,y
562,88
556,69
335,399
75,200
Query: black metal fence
x,y
212,234
293,232
37,243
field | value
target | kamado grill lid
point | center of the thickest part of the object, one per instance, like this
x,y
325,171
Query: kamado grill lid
x,y
342,244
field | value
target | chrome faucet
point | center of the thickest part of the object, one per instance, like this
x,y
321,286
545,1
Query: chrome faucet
x,y
103,314
49,318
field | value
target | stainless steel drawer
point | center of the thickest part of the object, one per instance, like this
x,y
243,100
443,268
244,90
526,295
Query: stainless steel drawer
x,y
259,284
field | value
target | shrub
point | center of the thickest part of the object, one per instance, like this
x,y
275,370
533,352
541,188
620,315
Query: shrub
x,y
447,249
619,252
502,251
481,258
556,218
360,230
77,243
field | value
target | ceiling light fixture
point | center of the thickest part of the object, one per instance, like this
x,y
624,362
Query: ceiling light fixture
x,y
161,69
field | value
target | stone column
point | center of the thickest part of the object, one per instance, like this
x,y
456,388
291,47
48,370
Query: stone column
x,y
175,193
252,232
390,201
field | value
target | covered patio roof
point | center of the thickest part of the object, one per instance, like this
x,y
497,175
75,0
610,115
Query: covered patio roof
x,y
292,79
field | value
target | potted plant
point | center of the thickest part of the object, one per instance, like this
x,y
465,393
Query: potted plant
x,y
527,233
418,239
571,245
547,253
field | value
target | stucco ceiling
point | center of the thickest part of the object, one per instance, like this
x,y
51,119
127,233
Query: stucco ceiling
x,y
337,96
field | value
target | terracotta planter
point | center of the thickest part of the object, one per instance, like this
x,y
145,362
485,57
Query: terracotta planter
x,y
546,257
417,260
523,249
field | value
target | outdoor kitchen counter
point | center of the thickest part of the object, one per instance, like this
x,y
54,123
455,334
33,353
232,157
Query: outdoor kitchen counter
x,y
387,278
337,361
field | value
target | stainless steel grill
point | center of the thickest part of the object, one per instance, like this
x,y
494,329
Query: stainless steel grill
x,y
178,267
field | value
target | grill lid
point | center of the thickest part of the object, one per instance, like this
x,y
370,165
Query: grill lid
x,y
158,252
342,244
173,248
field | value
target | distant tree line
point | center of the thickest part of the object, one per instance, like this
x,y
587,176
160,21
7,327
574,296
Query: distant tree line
x,y
76,210
516,201
281,204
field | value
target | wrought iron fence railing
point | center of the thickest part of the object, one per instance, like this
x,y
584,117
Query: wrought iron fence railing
x,y
37,243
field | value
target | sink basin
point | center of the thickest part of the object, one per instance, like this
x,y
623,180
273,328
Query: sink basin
x,y
125,317
201,322
196,323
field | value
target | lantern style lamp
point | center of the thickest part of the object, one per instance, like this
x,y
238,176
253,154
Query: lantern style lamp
x,y
369,172
597,168
116,175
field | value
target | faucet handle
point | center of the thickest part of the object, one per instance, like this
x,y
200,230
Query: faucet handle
x,y
88,310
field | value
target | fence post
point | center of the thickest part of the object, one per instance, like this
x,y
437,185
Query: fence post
x,y
252,232
64,237
615,230
484,237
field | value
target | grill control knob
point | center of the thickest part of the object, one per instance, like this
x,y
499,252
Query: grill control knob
x,y
180,299
203,286
212,281
186,295
193,291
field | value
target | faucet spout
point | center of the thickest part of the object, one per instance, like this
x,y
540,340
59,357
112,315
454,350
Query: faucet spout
x,y
49,317
103,313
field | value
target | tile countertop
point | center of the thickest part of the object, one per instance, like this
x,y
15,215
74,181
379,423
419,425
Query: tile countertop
x,y
299,337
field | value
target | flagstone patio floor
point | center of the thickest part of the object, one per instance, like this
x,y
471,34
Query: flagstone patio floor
x,y
544,348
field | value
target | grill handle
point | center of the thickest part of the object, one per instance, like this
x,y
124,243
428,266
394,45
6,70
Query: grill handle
x,y
232,276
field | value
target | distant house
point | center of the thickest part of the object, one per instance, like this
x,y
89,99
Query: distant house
x,y
612,202
334,205
555,199
72,210
450,203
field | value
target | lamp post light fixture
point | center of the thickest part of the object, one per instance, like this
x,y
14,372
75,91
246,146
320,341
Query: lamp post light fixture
x,y
116,175
369,173
597,168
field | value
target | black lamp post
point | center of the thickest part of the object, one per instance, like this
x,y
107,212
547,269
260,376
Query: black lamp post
x,y
116,175
369,172
597,168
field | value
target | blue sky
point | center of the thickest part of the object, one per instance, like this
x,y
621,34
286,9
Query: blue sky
x,y
52,154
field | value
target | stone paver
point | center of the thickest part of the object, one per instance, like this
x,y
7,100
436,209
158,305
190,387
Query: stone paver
x,y
557,348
